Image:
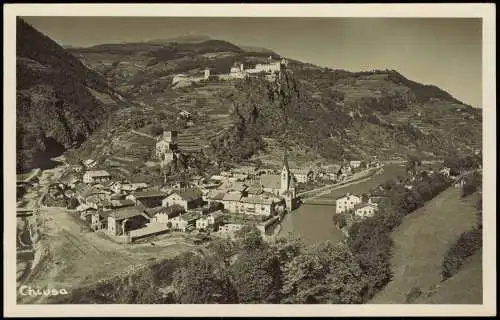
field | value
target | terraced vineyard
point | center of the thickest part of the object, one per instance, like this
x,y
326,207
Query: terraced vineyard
x,y
211,114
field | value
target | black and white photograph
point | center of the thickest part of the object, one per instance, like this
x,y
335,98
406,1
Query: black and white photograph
x,y
173,159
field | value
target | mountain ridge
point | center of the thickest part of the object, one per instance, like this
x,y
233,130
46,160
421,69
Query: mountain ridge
x,y
332,114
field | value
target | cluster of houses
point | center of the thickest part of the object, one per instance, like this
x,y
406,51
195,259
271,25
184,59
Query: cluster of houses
x,y
367,207
356,205
237,71
135,210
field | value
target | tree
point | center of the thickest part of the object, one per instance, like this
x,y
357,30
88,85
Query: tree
x,y
365,197
72,203
222,250
255,276
412,164
339,220
325,273
198,281
250,238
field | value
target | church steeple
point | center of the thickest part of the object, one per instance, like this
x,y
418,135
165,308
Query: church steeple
x,y
285,174
285,162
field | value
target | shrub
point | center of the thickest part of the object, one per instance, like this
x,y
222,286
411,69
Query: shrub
x,y
413,294
467,244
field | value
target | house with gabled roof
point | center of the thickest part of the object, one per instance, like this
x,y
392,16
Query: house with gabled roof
x,y
187,198
164,214
96,176
231,201
185,221
149,199
262,206
122,220
302,175
346,203
365,209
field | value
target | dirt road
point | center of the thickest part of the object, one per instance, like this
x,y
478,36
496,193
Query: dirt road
x,y
75,256
78,257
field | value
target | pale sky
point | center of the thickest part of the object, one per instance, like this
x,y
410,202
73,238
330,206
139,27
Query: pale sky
x,y
446,52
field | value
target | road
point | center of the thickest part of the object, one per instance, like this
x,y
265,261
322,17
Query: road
x,y
79,257
329,188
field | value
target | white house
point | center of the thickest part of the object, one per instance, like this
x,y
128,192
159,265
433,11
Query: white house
x,y
257,206
355,164
445,171
96,176
179,78
185,114
209,220
178,223
163,215
116,186
302,175
182,222
90,163
346,203
231,201
365,209
202,223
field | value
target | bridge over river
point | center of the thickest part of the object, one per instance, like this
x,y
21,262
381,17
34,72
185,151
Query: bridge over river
x,y
319,202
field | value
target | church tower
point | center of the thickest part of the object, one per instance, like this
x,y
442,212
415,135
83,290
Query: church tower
x,y
285,175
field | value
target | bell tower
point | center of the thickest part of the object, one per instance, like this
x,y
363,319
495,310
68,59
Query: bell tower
x,y
285,175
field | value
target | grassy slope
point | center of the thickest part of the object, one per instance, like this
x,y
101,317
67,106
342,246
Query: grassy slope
x,y
452,290
421,242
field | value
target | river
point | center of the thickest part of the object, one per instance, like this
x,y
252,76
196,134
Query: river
x,y
314,223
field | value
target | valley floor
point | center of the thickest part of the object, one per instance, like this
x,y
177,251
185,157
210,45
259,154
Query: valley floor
x,y
420,244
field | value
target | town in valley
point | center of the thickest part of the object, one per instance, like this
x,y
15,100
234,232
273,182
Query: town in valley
x,y
194,170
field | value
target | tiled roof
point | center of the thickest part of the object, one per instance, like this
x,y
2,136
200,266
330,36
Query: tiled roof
x,y
117,196
362,205
122,203
238,186
127,212
191,216
148,194
254,190
98,173
348,197
216,195
272,181
301,171
150,229
216,214
190,194
232,196
256,200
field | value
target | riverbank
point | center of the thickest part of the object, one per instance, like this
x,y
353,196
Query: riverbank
x,y
313,223
355,177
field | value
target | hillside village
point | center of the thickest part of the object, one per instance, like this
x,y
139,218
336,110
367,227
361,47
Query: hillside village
x,y
195,153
